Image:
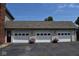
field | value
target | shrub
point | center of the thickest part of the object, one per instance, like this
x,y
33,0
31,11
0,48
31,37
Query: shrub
x,y
55,40
32,41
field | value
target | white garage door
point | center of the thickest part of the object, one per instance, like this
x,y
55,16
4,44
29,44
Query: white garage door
x,y
43,36
64,36
20,37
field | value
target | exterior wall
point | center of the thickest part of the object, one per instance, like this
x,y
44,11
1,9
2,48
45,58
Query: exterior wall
x,y
6,36
74,36
2,18
54,34
7,19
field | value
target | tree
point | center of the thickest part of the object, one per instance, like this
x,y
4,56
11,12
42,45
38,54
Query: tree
x,y
50,18
77,21
45,19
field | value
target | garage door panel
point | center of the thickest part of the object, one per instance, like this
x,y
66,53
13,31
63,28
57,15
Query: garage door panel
x,y
20,41
64,36
43,36
64,40
42,41
20,36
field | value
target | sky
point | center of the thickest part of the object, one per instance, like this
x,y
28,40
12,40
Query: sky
x,y
40,11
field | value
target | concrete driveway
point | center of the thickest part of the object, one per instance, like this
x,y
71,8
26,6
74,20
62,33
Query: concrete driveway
x,y
41,49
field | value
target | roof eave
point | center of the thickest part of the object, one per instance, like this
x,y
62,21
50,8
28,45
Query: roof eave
x,y
42,28
9,14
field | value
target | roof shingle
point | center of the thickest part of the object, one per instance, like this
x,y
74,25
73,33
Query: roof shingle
x,y
40,24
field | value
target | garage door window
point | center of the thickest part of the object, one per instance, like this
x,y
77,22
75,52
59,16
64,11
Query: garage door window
x,y
45,34
15,34
23,34
68,33
58,33
27,34
48,33
63,34
38,34
19,34
41,34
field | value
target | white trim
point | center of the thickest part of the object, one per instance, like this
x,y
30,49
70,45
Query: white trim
x,y
73,36
5,39
65,40
43,41
5,36
20,41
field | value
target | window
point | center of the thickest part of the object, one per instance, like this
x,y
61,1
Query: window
x,y
48,33
62,34
65,33
15,34
45,34
68,33
37,33
58,33
23,34
27,34
19,34
41,33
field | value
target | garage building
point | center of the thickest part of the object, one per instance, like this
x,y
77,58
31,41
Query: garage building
x,y
42,31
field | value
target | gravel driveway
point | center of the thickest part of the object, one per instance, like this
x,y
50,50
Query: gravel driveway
x,y
41,49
